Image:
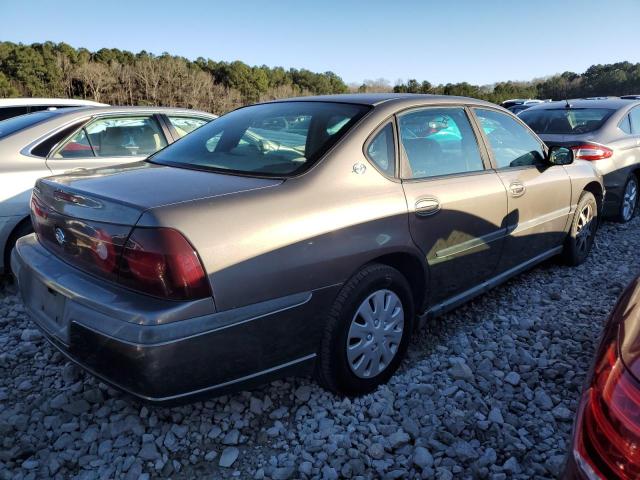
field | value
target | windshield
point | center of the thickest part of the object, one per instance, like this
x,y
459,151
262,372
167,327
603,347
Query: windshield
x,y
273,139
566,120
15,124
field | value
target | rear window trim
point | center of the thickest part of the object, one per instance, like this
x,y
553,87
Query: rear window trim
x,y
296,173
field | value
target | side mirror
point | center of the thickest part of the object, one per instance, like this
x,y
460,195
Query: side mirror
x,y
560,156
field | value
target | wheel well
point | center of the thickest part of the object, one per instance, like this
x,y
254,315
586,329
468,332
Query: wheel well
x,y
596,189
11,240
413,270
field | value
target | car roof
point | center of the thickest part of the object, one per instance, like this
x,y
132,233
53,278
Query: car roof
x,y
614,103
83,111
23,102
374,99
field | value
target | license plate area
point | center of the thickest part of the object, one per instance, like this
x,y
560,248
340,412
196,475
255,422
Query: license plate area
x,y
48,306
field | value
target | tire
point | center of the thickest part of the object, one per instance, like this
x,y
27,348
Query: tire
x,y
629,202
583,231
24,228
335,367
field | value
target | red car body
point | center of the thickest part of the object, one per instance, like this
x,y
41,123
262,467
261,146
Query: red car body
x,y
606,433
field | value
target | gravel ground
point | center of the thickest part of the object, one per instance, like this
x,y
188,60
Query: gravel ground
x,y
488,391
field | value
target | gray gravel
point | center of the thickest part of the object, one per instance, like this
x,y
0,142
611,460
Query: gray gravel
x,y
488,391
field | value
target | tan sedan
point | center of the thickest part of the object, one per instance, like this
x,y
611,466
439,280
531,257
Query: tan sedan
x,y
301,235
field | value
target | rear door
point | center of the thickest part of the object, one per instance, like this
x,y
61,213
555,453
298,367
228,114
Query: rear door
x,y
539,194
108,140
456,202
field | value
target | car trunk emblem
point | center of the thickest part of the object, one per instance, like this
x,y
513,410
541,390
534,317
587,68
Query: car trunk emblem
x,y
60,236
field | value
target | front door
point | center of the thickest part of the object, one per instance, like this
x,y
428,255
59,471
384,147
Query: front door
x,y
539,193
456,205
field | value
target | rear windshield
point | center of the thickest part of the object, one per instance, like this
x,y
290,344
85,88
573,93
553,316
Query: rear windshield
x,y
15,124
274,139
565,120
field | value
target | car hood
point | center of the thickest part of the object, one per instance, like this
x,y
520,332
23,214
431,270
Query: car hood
x,y
120,194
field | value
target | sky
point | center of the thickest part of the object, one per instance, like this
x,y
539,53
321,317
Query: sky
x,y
480,42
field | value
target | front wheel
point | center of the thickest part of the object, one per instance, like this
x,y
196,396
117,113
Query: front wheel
x,y
583,231
367,332
629,200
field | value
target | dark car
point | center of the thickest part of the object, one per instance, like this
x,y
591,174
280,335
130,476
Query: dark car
x,y
606,433
516,109
604,131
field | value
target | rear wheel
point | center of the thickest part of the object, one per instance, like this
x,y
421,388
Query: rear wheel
x,y
583,231
367,332
629,202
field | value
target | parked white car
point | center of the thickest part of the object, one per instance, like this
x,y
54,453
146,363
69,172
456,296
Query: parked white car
x,y
52,142
12,107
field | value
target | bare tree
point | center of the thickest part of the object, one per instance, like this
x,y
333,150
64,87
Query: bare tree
x,y
66,73
124,91
96,79
149,72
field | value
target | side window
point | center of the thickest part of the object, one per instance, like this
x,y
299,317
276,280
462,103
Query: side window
x,y
625,125
115,137
439,141
512,144
77,146
634,116
43,149
184,125
382,151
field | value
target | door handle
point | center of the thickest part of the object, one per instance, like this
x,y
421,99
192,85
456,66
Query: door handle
x,y
517,189
427,206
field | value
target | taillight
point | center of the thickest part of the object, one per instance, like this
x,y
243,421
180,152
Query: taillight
x,y
155,261
161,262
591,152
608,430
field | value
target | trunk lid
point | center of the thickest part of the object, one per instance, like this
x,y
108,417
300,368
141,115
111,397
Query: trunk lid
x,y
86,217
565,140
119,194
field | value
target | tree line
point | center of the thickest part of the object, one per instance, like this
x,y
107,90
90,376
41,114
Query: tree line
x,y
597,81
119,77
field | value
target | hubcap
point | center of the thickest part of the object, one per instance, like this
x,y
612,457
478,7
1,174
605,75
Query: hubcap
x,y
630,199
584,229
375,333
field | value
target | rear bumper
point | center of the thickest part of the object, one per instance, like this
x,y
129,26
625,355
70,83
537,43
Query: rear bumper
x,y
7,224
160,351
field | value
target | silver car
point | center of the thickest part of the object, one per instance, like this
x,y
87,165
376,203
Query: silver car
x,y
73,139
12,107
604,131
